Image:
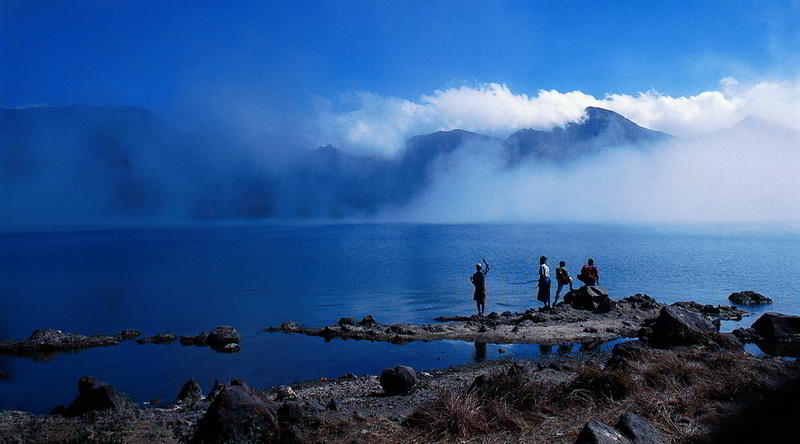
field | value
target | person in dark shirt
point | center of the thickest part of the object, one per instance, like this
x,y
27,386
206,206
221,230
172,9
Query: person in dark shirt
x,y
589,274
479,281
562,277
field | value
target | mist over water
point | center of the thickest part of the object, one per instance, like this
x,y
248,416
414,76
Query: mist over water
x,y
741,175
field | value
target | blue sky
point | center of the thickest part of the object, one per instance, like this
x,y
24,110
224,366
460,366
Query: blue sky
x,y
173,56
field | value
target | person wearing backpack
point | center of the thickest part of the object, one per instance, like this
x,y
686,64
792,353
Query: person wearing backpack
x,y
589,274
562,277
479,281
544,282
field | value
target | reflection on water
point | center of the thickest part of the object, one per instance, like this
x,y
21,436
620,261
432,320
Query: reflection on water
x,y
480,352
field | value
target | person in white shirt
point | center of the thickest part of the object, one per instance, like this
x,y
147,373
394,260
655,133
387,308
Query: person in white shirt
x,y
544,282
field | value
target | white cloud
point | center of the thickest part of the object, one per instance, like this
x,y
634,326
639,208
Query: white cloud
x,y
381,124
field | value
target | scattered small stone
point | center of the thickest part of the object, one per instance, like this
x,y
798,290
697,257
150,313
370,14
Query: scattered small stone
x,y
590,330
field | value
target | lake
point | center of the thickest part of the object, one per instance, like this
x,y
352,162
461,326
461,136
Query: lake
x,y
190,279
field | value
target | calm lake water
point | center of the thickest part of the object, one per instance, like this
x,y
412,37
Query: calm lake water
x,y
189,279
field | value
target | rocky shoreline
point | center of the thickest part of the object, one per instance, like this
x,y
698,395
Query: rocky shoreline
x,y
587,315
680,380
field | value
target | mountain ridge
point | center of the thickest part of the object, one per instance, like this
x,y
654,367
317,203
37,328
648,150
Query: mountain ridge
x,y
82,162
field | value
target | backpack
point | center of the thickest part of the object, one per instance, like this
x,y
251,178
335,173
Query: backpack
x,y
561,276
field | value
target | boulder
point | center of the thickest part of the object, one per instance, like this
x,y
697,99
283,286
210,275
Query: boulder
x,y
777,327
294,412
345,321
285,392
596,432
639,431
624,352
223,335
237,414
680,326
749,298
746,334
398,380
590,297
94,395
190,392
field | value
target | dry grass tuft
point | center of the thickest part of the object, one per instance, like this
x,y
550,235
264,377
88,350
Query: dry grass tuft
x,y
602,383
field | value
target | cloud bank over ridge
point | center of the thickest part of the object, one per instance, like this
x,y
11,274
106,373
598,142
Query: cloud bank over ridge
x,y
377,124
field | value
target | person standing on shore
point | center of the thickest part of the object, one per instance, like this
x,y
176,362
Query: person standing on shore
x,y
562,277
544,282
479,281
589,274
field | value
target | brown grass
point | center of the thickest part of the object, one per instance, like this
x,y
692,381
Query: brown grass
x,y
685,394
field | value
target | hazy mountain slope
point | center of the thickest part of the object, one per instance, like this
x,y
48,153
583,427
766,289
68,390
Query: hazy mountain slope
x,y
602,129
82,164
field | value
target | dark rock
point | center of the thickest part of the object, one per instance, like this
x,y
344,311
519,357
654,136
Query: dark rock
x,y
237,414
596,432
590,330
161,338
746,334
294,412
398,380
215,390
346,321
590,297
333,404
718,312
48,340
285,392
368,321
506,314
777,327
493,315
749,298
639,431
679,326
201,339
624,352
95,395
190,392
223,335
727,341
